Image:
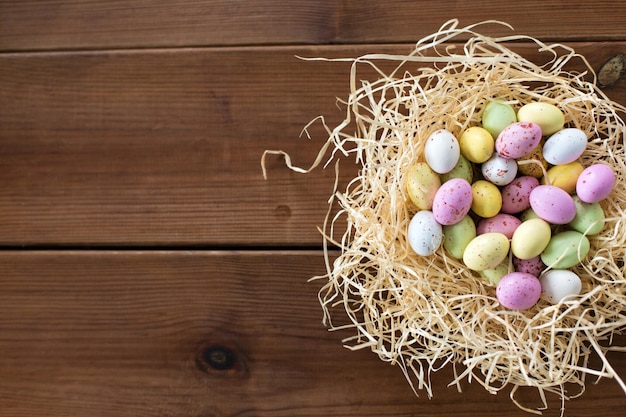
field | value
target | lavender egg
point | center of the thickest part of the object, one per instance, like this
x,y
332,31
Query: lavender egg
x,y
518,291
595,183
518,139
452,202
552,204
516,195
500,223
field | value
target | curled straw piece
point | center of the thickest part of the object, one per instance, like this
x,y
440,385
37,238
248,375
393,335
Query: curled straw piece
x,y
423,313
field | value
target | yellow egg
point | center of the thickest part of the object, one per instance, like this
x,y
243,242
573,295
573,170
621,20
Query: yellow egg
x,y
549,117
422,185
486,199
564,176
476,144
486,251
533,164
530,238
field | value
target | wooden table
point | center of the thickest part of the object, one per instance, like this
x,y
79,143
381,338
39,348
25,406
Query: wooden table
x,y
147,269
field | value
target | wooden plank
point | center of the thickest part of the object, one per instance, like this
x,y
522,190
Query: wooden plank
x,y
52,25
89,333
163,147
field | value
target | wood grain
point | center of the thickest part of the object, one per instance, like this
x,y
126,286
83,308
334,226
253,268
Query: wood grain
x,y
52,25
91,333
163,147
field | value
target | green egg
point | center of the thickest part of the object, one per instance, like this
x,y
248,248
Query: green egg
x,y
589,218
463,169
565,250
496,116
528,214
456,237
494,275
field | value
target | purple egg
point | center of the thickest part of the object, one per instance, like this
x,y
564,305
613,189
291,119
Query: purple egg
x,y
500,223
552,204
518,139
518,290
532,266
595,183
452,201
516,195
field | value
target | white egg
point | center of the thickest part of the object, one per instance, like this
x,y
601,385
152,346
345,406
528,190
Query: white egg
x,y
442,151
556,284
499,170
565,146
425,234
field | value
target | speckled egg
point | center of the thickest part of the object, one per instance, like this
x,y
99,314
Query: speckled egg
x,y
532,266
564,176
556,284
552,204
441,151
516,194
422,185
486,251
486,199
424,233
500,223
565,146
595,183
499,170
518,140
549,117
452,201
533,164
518,291
476,144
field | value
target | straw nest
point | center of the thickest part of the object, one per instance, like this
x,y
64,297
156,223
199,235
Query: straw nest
x,y
424,313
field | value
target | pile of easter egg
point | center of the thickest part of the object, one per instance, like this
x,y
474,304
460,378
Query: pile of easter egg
x,y
511,192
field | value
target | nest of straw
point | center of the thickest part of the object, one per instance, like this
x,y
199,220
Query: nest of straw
x,y
424,313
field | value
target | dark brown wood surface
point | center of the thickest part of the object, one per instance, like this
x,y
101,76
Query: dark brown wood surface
x,y
140,245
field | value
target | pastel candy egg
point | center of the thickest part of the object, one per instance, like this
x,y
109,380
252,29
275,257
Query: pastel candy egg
x,y
564,176
530,238
565,250
486,251
552,204
500,223
516,194
424,233
499,170
463,169
589,219
452,201
441,151
422,185
595,183
476,144
486,199
494,275
518,291
496,116
532,266
549,117
533,164
518,139
565,146
457,236
556,284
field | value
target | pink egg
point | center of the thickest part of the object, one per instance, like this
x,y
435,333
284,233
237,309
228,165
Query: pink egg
x,y
500,223
452,201
532,266
552,204
518,139
595,183
518,290
516,195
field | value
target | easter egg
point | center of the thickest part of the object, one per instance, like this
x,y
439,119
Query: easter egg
x,y
441,151
452,201
516,194
486,199
549,117
457,236
496,116
518,291
494,275
424,233
422,185
533,164
532,266
476,144
565,250
463,169
595,183
500,223
518,140
499,170
565,146
530,238
556,284
486,251
589,219
564,176
552,204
